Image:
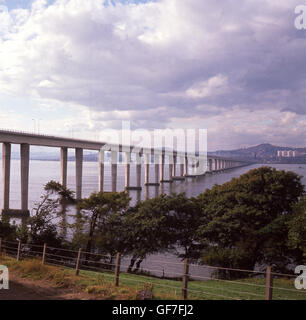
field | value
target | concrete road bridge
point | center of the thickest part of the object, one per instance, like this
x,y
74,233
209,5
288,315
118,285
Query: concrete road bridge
x,y
181,164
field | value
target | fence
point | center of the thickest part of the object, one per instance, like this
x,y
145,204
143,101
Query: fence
x,y
252,285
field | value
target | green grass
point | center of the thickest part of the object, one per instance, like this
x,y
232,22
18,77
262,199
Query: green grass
x,y
245,289
101,284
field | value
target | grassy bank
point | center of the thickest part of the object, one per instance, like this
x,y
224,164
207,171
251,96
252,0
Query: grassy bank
x,y
101,284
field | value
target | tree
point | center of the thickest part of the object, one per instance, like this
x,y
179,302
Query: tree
x,y
182,223
7,231
64,194
297,230
245,220
103,213
146,229
41,226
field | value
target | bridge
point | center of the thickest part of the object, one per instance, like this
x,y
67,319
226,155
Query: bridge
x,y
180,163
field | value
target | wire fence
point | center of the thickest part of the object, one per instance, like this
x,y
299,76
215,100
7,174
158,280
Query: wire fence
x,y
250,285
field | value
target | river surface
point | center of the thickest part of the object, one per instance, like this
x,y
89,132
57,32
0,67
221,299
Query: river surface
x,y
168,264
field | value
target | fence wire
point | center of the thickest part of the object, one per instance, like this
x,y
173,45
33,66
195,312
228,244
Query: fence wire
x,y
198,285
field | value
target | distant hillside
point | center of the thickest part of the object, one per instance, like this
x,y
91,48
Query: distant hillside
x,y
264,153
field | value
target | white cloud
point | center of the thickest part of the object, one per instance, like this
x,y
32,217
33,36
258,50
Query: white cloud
x,y
213,86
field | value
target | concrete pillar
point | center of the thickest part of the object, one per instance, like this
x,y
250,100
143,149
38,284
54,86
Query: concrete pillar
x,y
78,172
146,193
156,164
182,167
6,170
186,166
24,165
170,168
64,159
147,168
216,164
101,169
162,168
127,160
114,159
138,171
210,168
174,166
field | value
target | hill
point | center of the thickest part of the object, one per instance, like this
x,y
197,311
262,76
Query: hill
x,y
264,153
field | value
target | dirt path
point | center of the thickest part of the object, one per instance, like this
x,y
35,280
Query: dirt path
x,y
23,289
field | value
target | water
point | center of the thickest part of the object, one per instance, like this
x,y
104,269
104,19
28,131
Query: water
x,y
168,264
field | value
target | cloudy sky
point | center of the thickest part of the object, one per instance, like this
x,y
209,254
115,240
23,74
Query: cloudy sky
x,y
78,67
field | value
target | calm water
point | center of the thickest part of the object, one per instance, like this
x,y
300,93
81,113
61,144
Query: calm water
x,y
43,171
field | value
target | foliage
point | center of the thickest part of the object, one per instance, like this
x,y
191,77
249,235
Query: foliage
x,y
183,219
41,226
297,229
7,231
65,194
248,217
146,229
104,213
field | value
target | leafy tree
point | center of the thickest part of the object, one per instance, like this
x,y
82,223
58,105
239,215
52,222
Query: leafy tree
x,y
245,220
65,195
161,224
297,230
103,213
7,231
182,223
146,229
41,227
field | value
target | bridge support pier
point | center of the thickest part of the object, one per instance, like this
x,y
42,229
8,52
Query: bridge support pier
x,y
127,160
182,167
210,165
78,172
162,168
101,170
174,166
6,171
186,166
171,168
215,165
114,159
138,171
156,164
64,159
24,166
147,168
156,170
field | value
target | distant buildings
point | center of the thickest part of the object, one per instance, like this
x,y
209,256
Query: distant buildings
x,y
287,153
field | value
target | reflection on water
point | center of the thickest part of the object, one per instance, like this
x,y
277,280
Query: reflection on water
x,y
43,171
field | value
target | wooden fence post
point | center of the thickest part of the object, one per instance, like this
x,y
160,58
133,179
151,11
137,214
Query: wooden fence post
x,y
18,250
44,254
269,283
185,279
117,269
78,262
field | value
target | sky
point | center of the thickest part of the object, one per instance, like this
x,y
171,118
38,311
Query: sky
x,y
78,68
